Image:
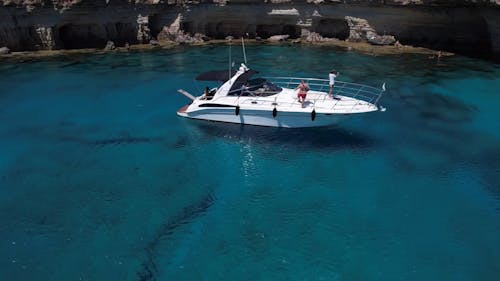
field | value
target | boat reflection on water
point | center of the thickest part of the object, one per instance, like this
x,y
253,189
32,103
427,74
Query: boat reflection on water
x,y
323,138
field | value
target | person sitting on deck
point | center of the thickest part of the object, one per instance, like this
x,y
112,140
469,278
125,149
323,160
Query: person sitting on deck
x,y
244,89
208,93
303,88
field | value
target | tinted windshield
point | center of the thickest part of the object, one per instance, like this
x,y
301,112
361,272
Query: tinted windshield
x,y
255,87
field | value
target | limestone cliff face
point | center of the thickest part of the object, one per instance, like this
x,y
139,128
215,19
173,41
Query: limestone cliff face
x,y
469,27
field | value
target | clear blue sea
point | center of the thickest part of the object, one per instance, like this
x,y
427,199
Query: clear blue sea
x,y
101,180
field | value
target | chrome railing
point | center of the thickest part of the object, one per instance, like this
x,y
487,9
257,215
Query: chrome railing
x,y
358,91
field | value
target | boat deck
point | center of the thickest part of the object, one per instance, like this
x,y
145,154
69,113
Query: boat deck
x,y
319,102
319,88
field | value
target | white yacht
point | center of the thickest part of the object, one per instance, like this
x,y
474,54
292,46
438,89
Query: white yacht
x,y
273,101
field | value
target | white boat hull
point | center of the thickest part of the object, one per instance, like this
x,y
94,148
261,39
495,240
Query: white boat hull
x,y
276,103
265,117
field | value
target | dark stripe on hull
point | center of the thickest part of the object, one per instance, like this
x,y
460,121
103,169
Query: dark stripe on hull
x,y
266,119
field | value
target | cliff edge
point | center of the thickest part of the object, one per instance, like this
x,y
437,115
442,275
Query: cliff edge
x,y
466,27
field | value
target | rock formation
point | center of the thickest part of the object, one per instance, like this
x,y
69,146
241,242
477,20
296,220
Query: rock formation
x,y
464,26
46,37
4,50
360,30
278,38
174,33
143,31
110,45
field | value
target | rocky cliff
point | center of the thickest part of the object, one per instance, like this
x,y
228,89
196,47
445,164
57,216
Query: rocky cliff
x,y
467,27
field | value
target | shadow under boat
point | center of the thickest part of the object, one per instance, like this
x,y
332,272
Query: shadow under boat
x,y
317,138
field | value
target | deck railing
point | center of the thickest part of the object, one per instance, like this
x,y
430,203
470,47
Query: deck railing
x,y
358,91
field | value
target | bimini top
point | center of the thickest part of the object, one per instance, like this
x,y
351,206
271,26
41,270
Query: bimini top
x,y
216,75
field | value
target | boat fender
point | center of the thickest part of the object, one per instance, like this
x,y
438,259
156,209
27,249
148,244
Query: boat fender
x,y
313,114
275,112
237,110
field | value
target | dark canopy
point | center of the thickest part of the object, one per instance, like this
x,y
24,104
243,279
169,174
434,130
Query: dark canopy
x,y
216,75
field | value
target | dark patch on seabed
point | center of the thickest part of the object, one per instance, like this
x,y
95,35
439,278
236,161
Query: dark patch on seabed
x,y
113,141
181,142
437,107
489,168
72,63
119,65
149,269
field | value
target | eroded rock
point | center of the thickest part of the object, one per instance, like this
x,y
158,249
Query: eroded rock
x,y
174,33
361,31
154,42
74,24
284,12
382,40
279,1
110,45
311,37
278,38
4,51
143,31
46,37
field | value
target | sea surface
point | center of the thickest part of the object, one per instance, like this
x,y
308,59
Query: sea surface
x,y
101,180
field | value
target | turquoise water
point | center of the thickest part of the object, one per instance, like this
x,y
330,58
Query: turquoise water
x,y
100,180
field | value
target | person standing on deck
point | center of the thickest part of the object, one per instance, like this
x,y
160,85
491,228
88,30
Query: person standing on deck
x,y
303,88
333,74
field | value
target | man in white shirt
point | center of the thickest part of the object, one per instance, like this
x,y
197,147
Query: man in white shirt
x,y
333,74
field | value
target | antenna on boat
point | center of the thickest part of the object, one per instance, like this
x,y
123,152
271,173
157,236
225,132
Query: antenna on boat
x,y
229,72
244,54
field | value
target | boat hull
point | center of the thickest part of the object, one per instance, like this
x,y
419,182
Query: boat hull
x,y
264,117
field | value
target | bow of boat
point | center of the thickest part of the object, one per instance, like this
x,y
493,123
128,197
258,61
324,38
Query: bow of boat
x,y
182,111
